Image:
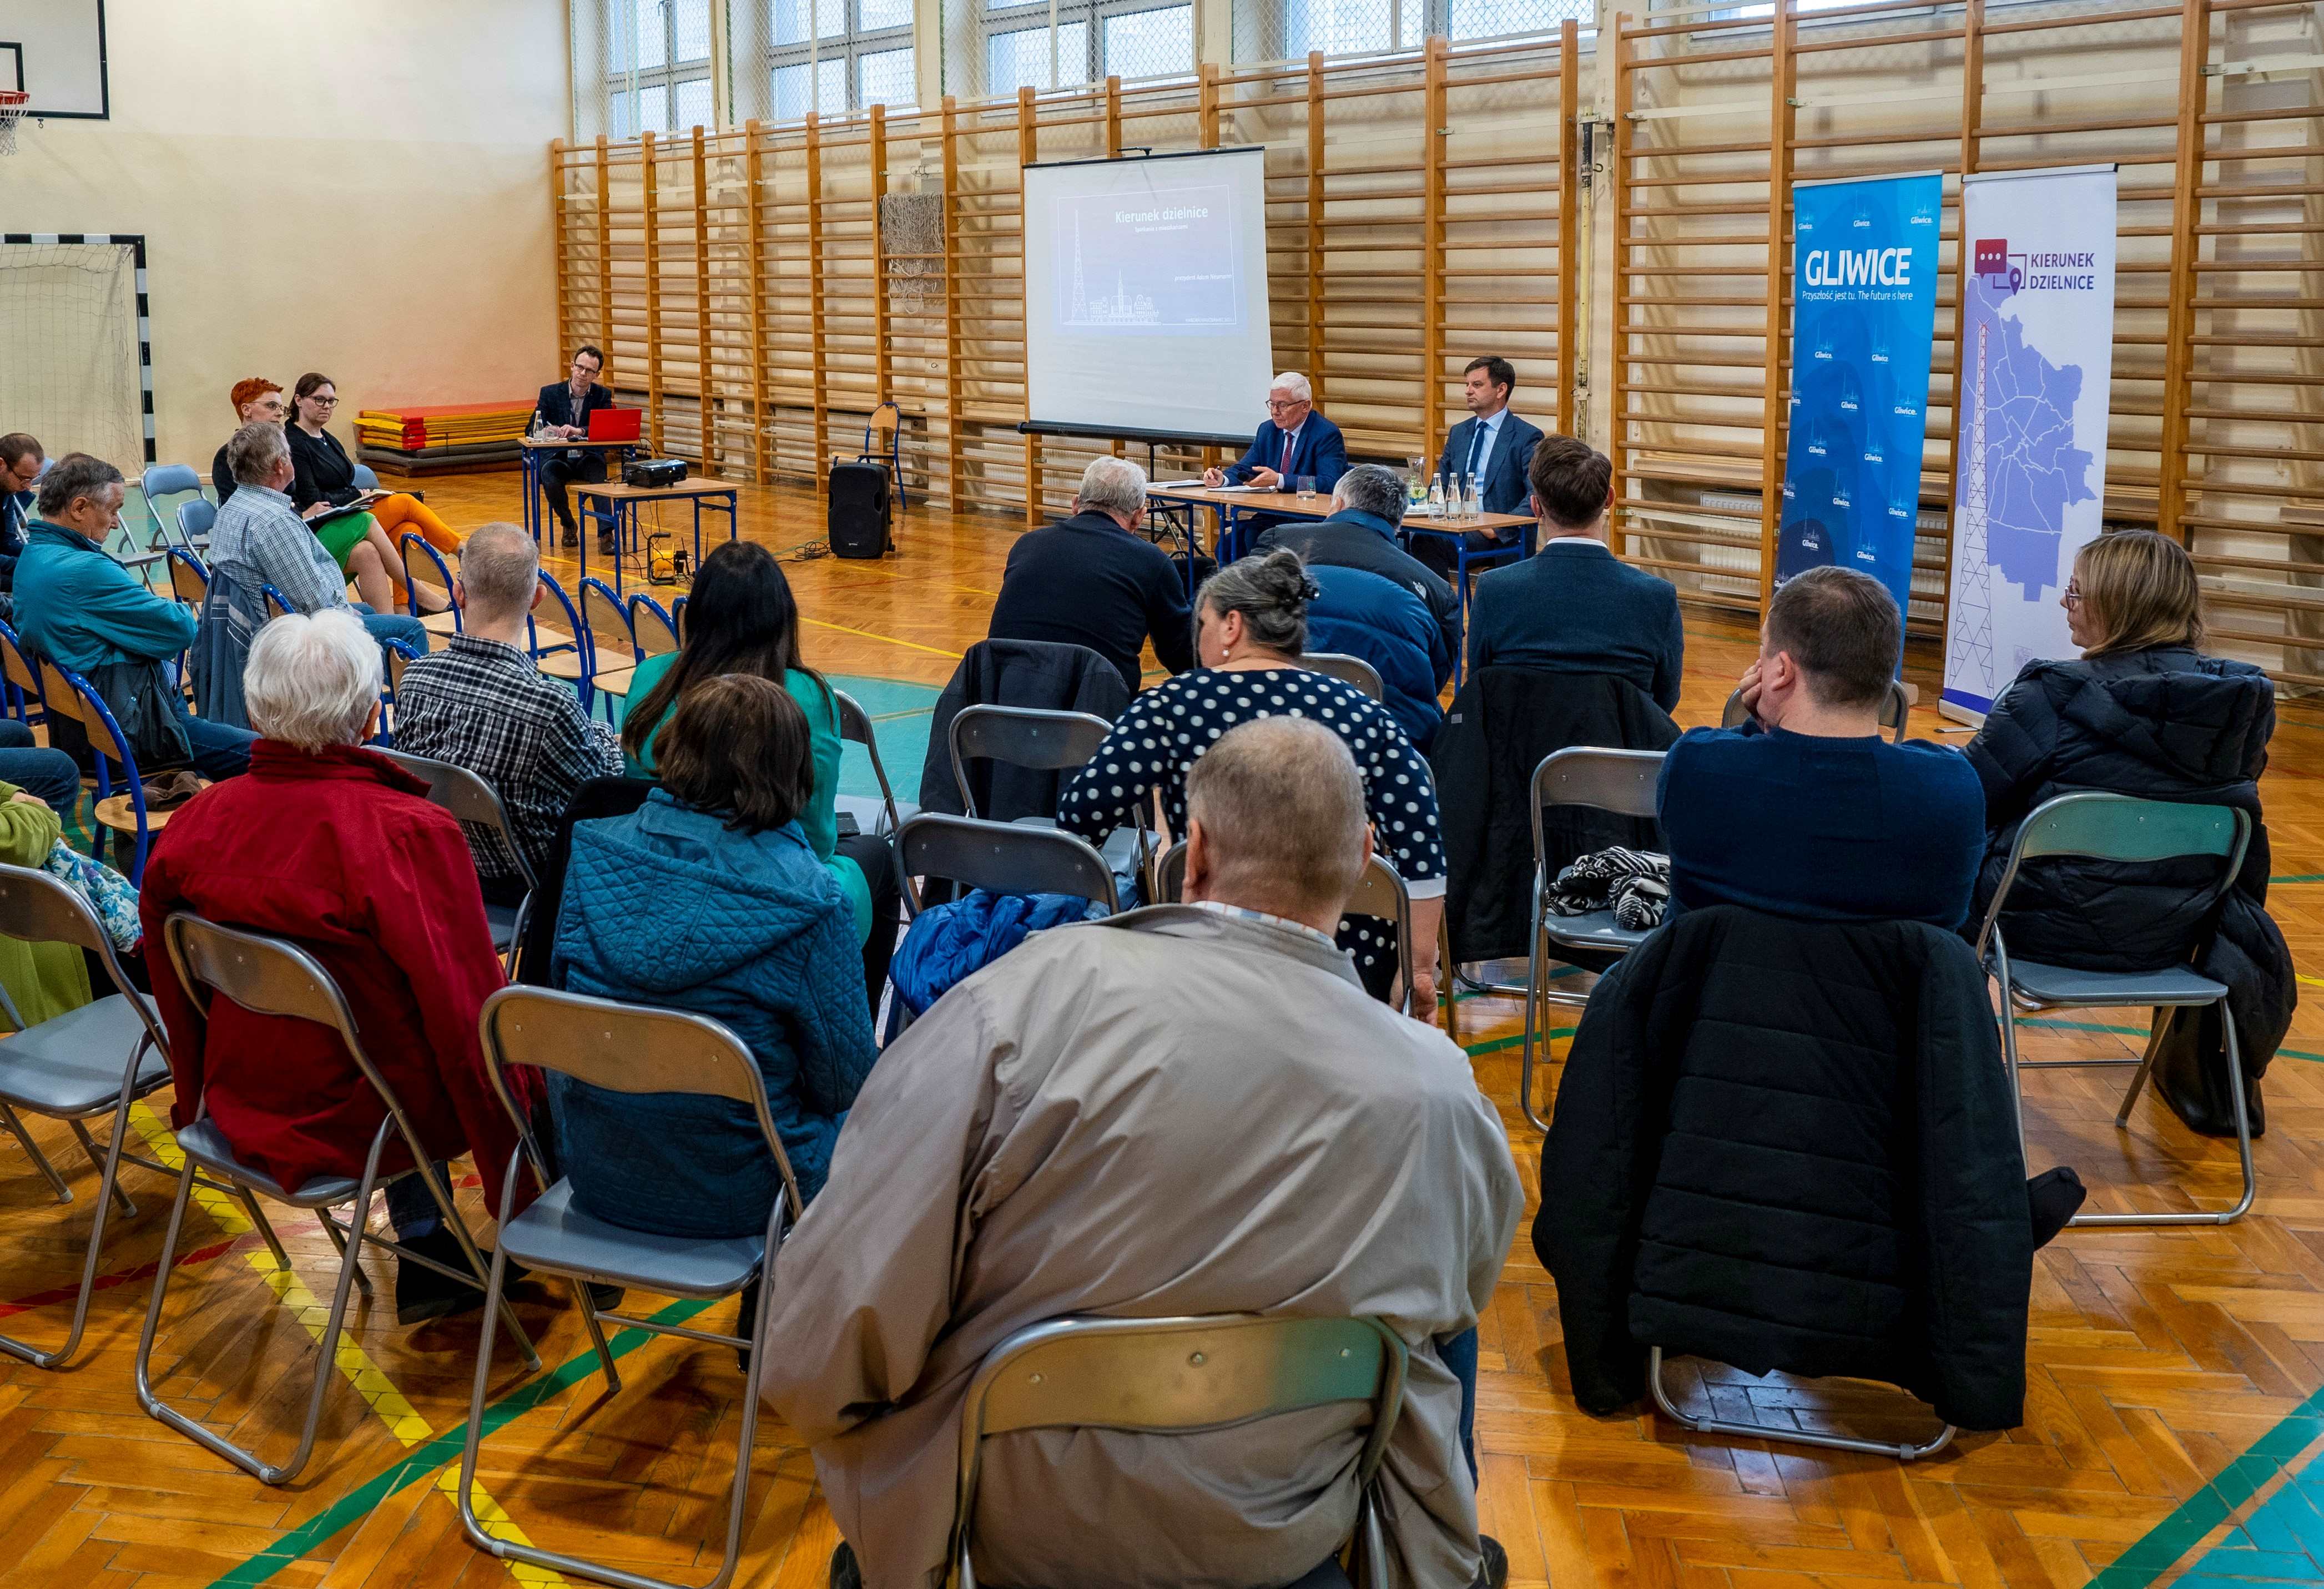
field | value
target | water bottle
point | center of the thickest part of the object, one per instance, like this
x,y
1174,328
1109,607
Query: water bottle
x,y
1476,498
1435,497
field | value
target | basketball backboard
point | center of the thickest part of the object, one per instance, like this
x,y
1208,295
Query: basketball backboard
x,y
54,49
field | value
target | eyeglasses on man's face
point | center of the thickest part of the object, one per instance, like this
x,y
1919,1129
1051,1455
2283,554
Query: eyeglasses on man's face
x,y
1276,405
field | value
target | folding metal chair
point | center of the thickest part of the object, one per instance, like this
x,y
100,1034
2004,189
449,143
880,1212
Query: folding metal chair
x,y
475,803
1347,670
161,480
2117,828
196,518
1003,858
1896,712
1902,1451
1619,781
1045,740
886,421
623,1048
1380,895
424,568
569,656
399,656
270,976
1177,1375
96,1060
886,815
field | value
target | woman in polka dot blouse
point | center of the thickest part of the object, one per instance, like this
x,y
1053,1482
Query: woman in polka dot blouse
x,y
1250,626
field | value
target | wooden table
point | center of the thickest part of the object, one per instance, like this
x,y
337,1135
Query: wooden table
x,y
621,510
533,452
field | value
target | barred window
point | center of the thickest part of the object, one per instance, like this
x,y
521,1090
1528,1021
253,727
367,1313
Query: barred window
x,y
656,55
856,54
1013,45
1287,30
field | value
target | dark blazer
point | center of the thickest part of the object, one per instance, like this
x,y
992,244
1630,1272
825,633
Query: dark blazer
x,y
1503,722
326,472
1791,1145
222,477
1505,486
1087,581
1322,452
16,514
555,404
1575,607
1351,540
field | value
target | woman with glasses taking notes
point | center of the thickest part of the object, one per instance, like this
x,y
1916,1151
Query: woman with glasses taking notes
x,y
326,482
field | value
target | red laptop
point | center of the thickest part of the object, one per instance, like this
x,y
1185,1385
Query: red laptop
x,y
615,424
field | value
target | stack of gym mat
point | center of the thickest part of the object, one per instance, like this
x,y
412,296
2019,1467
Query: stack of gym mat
x,y
432,438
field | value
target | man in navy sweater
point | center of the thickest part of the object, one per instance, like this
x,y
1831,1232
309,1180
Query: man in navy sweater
x,y
1092,580
1806,811
1574,606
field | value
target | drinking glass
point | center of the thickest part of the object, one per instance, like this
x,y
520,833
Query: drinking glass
x,y
1307,488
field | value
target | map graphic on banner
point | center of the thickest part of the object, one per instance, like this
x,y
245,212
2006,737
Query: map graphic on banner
x,y
2036,350
1864,295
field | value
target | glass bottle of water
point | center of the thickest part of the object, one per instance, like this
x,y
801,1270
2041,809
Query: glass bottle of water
x,y
1435,497
1476,497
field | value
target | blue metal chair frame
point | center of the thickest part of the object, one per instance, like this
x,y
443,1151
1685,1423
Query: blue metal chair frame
x,y
443,568
582,646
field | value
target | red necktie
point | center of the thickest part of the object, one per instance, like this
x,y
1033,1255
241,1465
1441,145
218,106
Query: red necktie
x,y
1286,470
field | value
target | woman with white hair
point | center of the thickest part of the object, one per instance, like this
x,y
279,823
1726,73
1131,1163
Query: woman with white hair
x,y
334,846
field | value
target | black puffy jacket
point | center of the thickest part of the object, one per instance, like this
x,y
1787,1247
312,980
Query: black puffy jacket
x,y
1790,1145
2166,723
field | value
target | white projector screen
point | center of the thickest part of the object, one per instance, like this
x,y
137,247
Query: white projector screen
x,y
1146,295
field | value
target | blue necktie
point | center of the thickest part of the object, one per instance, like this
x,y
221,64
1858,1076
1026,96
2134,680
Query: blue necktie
x,y
1477,447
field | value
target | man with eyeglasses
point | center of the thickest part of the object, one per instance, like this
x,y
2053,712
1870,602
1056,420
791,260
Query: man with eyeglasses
x,y
1294,442
563,411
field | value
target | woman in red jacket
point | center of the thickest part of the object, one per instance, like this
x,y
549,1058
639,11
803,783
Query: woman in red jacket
x,y
335,847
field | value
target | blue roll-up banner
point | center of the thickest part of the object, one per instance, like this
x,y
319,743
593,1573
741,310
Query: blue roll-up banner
x,y
1864,296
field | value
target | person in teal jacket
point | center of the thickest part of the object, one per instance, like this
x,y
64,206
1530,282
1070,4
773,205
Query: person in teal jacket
x,y
78,608
708,898
741,618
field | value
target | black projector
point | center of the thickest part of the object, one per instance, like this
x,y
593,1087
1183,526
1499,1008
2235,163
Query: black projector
x,y
652,474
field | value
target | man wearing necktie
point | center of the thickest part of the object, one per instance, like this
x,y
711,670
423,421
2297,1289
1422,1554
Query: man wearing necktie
x,y
1295,441
1492,444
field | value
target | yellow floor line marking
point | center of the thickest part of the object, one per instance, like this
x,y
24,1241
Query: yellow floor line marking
x,y
2314,982
354,1364
867,635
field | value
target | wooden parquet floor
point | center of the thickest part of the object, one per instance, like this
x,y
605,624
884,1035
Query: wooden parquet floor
x,y
2176,1391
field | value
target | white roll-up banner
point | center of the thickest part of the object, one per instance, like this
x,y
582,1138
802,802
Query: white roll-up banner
x,y
2029,438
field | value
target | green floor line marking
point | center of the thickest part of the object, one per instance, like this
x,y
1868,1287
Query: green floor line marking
x,y
2162,1545
439,1452
1496,1045
2300,877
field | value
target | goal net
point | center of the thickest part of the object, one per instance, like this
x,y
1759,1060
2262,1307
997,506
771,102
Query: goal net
x,y
69,364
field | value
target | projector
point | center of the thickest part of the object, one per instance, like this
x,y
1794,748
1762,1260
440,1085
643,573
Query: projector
x,y
654,473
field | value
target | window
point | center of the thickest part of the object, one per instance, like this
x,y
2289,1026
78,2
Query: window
x,y
657,61
859,55
1095,40
1287,30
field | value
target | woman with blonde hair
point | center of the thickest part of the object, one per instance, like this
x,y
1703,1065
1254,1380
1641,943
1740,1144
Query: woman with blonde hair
x,y
2143,712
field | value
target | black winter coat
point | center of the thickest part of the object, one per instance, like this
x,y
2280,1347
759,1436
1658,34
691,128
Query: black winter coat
x,y
1014,673
1790,1145
1503,722
2165,723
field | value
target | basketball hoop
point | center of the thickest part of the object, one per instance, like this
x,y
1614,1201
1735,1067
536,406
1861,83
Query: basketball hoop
x,y
12,111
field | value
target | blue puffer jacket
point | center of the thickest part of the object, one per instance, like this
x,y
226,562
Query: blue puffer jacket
x,y
950,942
666,907
1365,615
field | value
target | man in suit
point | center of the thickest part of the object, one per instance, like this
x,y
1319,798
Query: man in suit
x,y
20,457
1367,506
1575,607
564,411
1092,580
1293,441
1493,445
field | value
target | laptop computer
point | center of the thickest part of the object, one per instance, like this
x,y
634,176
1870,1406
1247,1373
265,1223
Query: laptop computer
x,y
615,424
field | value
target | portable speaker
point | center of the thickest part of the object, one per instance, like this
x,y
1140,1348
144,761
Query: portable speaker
x,y
858,526
651,473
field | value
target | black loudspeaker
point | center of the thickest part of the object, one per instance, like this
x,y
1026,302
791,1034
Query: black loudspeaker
x,y
654,473
859,526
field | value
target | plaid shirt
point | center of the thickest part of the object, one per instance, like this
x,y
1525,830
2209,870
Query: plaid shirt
x,y
483,705
260,539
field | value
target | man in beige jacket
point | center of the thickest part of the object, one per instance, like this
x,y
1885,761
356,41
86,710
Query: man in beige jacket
x,y
1189,1109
